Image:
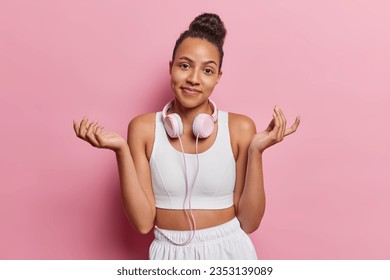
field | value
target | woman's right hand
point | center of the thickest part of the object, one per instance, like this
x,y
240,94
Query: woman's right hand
x,y
94,134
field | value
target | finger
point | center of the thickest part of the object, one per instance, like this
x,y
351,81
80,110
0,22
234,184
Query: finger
x,y
275,130
294,127
76,127
278,124
90,135
283,122
95,129
90,128
98,130
99,135
82,128
279,128
270,125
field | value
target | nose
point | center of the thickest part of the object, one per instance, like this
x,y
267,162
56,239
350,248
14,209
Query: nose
x,y
193,77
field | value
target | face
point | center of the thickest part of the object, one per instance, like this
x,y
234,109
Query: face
x,y
194,71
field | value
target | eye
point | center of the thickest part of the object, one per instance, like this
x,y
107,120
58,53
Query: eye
x,y
208,71
184,65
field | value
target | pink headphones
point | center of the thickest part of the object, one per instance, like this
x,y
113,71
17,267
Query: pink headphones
x,y
202,126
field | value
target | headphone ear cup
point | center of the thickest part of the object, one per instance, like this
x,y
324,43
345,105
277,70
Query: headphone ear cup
x,y
203,126
173,125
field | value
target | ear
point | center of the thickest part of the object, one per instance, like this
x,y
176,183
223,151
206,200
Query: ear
x,y
170,67
219,76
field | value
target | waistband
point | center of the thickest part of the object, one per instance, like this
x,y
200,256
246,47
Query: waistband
x,y
201,235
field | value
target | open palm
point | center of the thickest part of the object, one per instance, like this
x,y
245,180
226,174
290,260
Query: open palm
x,y
275,132
94,134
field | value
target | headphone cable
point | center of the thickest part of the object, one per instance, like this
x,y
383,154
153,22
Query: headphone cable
x,y
190,216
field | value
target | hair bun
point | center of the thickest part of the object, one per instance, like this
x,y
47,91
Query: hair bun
x,y
211,25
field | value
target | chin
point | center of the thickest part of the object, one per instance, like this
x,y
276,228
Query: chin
x,y
192,101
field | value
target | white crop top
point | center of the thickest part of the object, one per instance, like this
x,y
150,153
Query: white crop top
x,y
214,185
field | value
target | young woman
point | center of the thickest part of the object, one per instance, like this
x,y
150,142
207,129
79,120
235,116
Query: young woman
x,y
192,171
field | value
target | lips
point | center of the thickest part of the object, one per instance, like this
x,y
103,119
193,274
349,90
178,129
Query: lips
x,y
190,90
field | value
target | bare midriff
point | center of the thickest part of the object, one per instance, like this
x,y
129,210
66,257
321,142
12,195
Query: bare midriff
x,y
177,219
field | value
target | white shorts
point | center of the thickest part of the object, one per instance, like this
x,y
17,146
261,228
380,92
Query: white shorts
x,y
224,242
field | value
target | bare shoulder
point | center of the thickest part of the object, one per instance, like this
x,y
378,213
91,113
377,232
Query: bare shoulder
x,y
239,124
143,124
140,133
241,130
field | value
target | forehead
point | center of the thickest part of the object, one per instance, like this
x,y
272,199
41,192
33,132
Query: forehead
x,y
198,50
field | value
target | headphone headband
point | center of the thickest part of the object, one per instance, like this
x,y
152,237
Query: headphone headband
x,y
202,126
170,104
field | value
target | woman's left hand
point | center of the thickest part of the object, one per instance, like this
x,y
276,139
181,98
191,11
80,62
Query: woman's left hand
x,y
274,133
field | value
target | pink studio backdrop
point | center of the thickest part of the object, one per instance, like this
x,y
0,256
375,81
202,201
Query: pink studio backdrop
x,y
327,186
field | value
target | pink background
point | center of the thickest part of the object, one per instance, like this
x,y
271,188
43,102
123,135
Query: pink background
x,y
328,61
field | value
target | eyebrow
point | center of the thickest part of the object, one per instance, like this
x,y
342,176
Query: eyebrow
x,y
190,60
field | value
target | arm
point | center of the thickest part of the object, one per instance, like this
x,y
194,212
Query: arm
x,y
251,205
137,196
249,189
249,196
138,199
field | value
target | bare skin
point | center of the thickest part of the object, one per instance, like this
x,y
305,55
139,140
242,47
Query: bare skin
x,y
194,74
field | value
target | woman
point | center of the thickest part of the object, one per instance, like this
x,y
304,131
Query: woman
x,y
193,171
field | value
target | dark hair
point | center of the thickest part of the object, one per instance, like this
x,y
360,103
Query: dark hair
x,y
205,26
